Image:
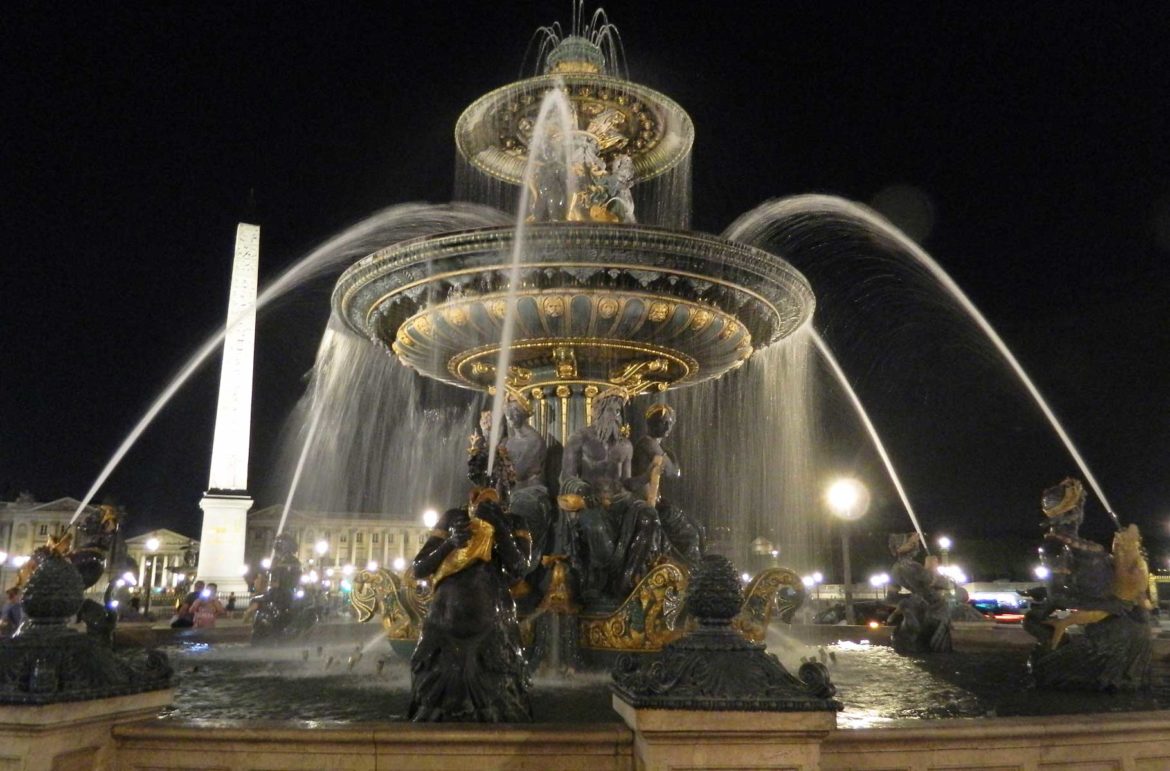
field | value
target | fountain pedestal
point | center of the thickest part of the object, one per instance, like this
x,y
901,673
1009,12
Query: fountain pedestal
x,y
693,739
71,735
714,699
61,692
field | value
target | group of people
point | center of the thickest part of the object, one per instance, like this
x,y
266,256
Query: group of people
x,y
199,607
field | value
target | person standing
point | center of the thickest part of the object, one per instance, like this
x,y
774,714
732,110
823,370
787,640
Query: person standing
x,y
12,614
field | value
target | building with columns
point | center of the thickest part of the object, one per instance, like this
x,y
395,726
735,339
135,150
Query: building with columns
x,y
352,538
26,523
165,558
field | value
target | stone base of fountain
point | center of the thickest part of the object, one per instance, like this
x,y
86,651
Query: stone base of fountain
x,y
71,735
1104,740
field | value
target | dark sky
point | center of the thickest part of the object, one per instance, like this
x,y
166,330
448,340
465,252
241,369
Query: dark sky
x,y
133,133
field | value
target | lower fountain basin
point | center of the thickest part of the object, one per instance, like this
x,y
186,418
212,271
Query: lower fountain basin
x,y
234,681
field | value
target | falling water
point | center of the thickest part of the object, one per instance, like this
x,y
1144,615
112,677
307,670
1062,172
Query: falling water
x,y
395,223
554,106
747,444
314,422
389,441
791,219
877,441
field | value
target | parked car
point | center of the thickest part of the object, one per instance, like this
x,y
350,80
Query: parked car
x,y
1001,613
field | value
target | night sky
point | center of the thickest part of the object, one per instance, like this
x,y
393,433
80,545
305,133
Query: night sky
x,y
135,133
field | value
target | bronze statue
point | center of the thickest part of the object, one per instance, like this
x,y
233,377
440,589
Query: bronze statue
x,y
616,536
468,665
287,608
652,464
922,617
1107,594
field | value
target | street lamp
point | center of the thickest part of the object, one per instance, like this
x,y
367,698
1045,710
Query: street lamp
x,y
848,500
944,548
430,518
879,583
399,564
1041,572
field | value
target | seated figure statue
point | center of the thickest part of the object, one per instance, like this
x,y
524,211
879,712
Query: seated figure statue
x,y
614,536
652,463
526,449
1105,594
468,665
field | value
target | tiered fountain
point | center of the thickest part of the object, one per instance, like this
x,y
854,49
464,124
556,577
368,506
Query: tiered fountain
x,y
595,296
576,303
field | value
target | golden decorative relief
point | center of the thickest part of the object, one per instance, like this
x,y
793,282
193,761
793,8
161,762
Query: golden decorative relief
x,y
537,393
404,337
634,376
456,316
558,598
563,391
701,319
381,592
660,311
572,65
424,326
647,620
729,328
777,590
497,309
591,391
554,307
564,362
518,377
607,308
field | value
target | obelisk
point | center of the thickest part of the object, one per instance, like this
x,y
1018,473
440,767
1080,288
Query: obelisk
x,y
225,504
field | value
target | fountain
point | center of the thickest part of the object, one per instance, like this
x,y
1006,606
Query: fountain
x,y
596,300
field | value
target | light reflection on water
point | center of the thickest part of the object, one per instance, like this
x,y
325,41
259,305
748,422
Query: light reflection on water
x,y
329,684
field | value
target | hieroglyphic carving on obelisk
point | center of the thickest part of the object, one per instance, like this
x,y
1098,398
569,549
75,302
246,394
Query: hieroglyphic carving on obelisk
x,y
225,504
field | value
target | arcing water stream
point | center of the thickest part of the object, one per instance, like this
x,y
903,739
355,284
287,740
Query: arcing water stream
x,y
773,223
395,223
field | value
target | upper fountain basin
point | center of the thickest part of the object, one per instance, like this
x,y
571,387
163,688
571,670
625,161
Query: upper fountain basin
x,y
494,133
595,304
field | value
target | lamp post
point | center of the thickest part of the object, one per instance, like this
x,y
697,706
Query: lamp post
x,y
944,548
848,500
